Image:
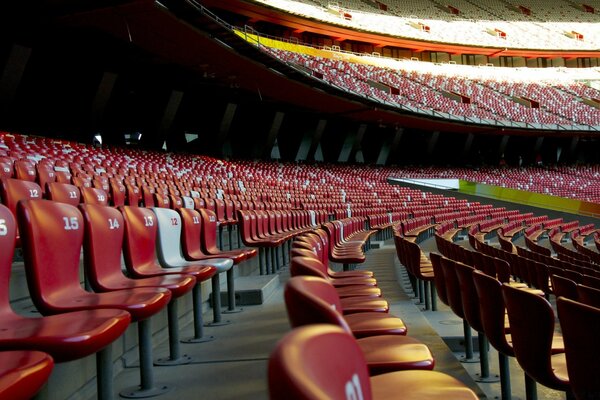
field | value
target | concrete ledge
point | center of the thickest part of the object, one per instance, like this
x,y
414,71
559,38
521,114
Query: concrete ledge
x,y
252,290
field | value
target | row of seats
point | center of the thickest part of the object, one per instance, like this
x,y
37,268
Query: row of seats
x,y
484,297
342,314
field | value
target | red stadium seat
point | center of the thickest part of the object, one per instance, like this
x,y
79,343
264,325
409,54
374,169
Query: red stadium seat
x,y
324,362
23,373
313,300
66,336
64,193
532,329
92,195
139,252
580,326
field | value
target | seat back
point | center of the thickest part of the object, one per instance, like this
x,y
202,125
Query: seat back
x,y
64,193
308,266
312,300
13,190
140,239
588,295
438,276
169,237
25,170
103,242
470,301
92,195
208,231
532,328
452,287
492,311
191,232
52,236
564,287
318,362
580,326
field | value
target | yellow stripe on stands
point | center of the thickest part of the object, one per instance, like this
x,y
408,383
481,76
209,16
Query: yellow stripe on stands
x,y
531,199
302,49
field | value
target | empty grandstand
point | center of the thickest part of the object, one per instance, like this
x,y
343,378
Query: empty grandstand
x,y
252,199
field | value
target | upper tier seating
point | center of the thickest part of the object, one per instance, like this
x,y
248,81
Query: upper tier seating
x,y
534,24
532,97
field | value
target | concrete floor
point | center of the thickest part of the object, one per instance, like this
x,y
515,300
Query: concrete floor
x,y
234,365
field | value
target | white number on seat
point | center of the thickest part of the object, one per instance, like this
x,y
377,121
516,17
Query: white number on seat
x,y
101,197
196,220
174,222
353,389
71,223
3,228
72,194
148,221
34,193
113,223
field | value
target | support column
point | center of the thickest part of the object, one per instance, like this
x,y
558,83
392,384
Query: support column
x,y
468,145
272,136
432,142
225,127
315,151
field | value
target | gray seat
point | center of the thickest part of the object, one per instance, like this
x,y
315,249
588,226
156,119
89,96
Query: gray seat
x,y
170,255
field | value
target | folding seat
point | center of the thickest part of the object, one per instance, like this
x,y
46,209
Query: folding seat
x,y
588,295
63,176
45,175
23,373
117,193
323,362
66,337
6,170
25,170
384,353
532,331
455,301
53,278
63,193
92,195
14,190
472,314
304,264
580,326
133,195
311,299
139,252
148,196
81,181
198,242
161,200
170,255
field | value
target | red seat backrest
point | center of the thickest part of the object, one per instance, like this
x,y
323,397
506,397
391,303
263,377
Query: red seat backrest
x,y
191,233
104,233
312,300
318,362
52,234
64,193
25,170
208,237
139,248
92,195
